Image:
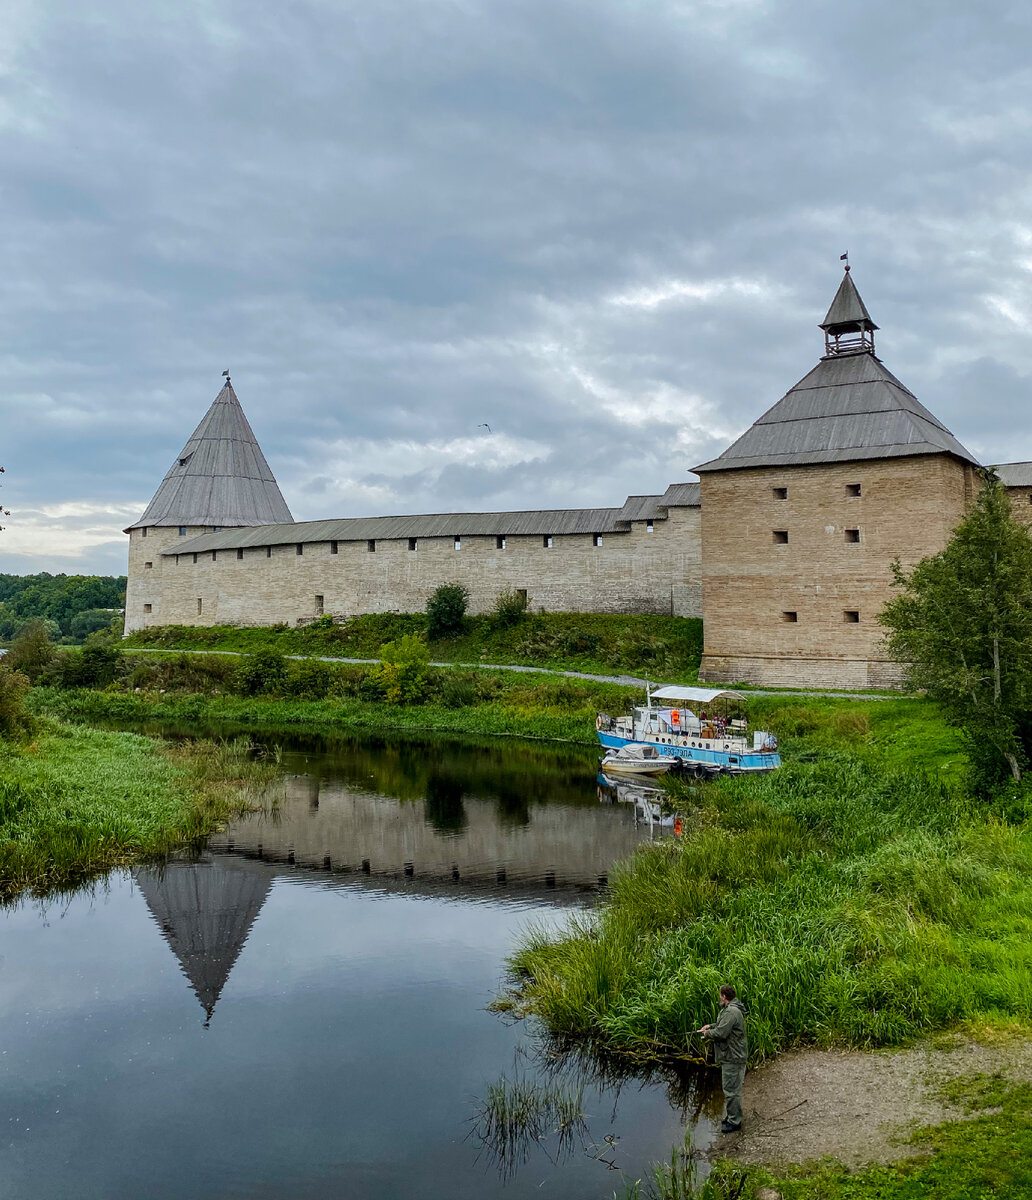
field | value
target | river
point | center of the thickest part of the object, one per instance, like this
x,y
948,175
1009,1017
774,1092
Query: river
x,y
301,1010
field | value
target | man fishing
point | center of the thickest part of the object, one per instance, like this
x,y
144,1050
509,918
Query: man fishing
x,y
730,1051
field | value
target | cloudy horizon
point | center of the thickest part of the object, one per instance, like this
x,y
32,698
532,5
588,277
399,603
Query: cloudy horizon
x,y
607,231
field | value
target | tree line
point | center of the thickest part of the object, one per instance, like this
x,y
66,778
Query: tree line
x,y
73,606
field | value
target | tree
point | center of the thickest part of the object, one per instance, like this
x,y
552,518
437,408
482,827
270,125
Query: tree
x,y
962,629
446,609
31,650
402,673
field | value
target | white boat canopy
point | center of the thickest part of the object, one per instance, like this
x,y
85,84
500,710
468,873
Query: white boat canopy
x,y
701,695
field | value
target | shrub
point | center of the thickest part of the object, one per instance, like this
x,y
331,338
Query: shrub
x,y
403,670
446,609
457,690
263,673
14,720
31,650
309,679
510,608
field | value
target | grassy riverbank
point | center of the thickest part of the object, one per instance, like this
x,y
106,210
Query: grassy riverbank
x,y
507,705
858,896
76,802
598,644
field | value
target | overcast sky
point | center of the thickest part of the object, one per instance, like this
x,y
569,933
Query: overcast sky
x,y
605,229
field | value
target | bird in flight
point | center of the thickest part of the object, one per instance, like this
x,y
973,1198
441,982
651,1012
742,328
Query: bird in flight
x,y
484,425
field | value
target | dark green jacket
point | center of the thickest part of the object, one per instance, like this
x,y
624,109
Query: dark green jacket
x,y
730,1044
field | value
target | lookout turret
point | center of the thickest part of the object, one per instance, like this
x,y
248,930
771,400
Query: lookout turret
x,y
219,478
848,328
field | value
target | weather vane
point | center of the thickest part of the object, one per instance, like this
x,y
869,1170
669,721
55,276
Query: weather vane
x,y
845,258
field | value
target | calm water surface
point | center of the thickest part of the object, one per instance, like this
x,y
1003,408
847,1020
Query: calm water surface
x,y
301,1011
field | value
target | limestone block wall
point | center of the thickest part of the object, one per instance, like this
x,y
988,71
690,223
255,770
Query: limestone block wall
x,y
1021,503
797,564
636,571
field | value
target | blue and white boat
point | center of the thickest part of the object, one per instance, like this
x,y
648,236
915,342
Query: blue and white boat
x,y
711,737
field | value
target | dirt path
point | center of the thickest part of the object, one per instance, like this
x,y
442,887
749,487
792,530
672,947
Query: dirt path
x,y
856,1107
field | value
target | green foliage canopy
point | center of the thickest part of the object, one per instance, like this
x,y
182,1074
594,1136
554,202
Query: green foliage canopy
x,y
962,628
403,670
446,609
57,598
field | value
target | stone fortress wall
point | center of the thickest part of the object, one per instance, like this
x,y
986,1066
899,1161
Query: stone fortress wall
x,y
652,567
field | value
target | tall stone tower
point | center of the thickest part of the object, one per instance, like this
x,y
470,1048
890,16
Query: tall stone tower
x,y
803,515
220,480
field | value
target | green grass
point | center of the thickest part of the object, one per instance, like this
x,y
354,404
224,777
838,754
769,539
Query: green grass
x,y
668,647
514,706
850,899
77,802
989,1155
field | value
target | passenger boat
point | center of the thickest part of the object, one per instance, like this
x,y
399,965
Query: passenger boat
x,y
710,737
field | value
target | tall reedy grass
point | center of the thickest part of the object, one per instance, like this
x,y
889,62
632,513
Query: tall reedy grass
x,y
847,902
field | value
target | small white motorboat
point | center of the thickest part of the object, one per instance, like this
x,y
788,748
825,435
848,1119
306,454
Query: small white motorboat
x,y
636,759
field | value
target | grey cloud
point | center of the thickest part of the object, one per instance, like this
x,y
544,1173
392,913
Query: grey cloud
x,y
396,220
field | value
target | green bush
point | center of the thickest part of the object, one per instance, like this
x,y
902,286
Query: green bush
x,y
403,670
446,610
309,679
31,650
14,720
457,689
510,608
264,673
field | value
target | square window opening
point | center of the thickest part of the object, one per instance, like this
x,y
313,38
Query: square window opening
x,y
852,535
851,616
148,608
791,617
780,493
853,489
148,566
597,540
780,537
182,531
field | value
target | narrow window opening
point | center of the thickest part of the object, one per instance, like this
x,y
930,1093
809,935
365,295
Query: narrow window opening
x,y
371,545
522,593
546,541
852,489
195,558
790,617
299,548
148,608
780,537
334,548
240,553
200,605
319,606
143,531
851,616
216,529
499,543
182,531
852,535
412,543
148,565
214,556
650,527
780,493
177,560
458,543
597,540
268,552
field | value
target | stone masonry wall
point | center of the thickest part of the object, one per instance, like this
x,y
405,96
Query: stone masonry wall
x,y
906,509
633,572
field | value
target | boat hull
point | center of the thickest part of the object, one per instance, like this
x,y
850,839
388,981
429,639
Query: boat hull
x,y
734,762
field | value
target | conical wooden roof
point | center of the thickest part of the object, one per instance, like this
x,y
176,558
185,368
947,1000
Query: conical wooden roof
x,y
205,911
220,477
847,308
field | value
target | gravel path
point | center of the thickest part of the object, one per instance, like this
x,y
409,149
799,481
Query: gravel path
x,y
858,1107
